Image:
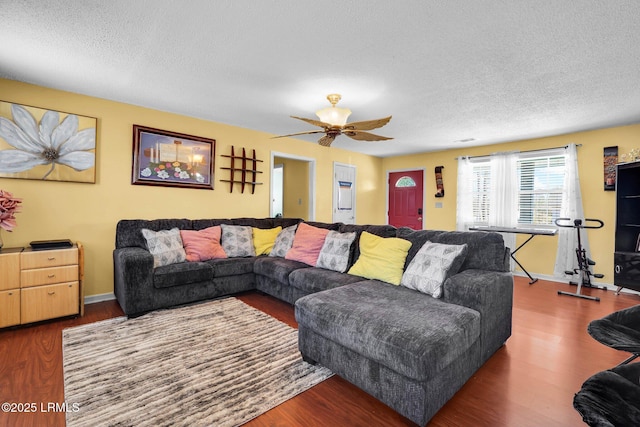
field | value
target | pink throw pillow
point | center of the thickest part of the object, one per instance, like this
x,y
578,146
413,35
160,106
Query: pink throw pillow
x,y
201,245
307,244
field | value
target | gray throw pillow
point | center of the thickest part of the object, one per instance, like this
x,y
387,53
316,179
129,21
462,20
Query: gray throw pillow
x,y
237,240
284,241
334,254
433,264
165,246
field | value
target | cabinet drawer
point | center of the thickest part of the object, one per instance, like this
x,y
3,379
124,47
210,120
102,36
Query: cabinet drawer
x,y
48,276
9,308
9,271
39,259
47,302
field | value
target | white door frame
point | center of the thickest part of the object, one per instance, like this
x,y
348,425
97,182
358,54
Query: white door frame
x,y
312,181
424,191
334,198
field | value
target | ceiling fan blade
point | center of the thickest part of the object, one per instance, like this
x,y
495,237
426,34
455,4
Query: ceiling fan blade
x,y
368,124
298,133
364,136
313,122
326,140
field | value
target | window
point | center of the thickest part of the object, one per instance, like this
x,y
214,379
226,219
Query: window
x,y
481,175
405,181
540,187
540,190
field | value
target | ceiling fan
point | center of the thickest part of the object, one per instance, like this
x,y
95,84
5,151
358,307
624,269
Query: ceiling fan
x,y
333,121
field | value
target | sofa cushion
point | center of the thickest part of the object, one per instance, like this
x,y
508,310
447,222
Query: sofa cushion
x,y
264,239
431,266
201,245
165,246
485,251
284,241
381,258
231,266
325,225
312,280
277,269
417,238
128,230
237,240
307,244
335,251
181,274
408,332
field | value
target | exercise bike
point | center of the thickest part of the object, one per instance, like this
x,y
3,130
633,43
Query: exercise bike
x,y
583,271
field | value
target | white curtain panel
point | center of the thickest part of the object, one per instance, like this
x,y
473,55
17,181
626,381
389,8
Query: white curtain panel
x,y
571,208
503,195
464,198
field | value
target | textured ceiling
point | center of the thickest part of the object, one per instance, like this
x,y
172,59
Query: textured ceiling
x,y
447,70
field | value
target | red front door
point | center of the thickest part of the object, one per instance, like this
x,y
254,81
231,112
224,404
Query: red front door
x,y
405,199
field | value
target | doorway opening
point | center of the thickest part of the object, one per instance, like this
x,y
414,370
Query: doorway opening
x,y
296,192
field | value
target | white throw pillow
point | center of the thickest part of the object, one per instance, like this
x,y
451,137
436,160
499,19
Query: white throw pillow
x,y
284,242
237,240
165,246
334,254
432,265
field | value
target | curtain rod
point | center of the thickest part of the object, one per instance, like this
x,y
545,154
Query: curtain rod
x,y
528,151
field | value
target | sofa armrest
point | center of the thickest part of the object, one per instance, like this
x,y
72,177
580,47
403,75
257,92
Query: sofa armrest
x,y
133,278
491,294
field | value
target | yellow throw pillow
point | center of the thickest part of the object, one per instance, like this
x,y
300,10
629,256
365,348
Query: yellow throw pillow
x,y
263,239
381,258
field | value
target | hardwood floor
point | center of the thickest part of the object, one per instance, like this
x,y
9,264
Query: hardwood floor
x,y
528,382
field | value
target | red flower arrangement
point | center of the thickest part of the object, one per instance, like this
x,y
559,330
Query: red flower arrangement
x,y
9,206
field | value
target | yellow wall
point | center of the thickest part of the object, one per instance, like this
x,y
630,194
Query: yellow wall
x,y
89,212
538,256
296,187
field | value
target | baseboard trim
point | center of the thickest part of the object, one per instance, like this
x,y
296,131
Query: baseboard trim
x,y
92,299
609,286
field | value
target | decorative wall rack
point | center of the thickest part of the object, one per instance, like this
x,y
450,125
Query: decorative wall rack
x,y
243,170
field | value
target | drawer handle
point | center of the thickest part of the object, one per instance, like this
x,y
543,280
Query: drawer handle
x,y
51,292
51,276
51,258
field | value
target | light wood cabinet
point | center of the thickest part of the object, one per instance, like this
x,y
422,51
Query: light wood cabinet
x,y
40,285
48,276
47,302
9,308
9,287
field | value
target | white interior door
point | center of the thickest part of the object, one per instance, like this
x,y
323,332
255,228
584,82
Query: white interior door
x,y
277,199
344,193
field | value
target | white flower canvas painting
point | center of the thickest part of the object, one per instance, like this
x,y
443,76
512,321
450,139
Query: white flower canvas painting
x,y
46,145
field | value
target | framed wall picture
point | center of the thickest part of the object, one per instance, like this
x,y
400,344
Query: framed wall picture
x,y
172,159
47,145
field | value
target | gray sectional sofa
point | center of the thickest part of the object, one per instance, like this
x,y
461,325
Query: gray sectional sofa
x,y
408,349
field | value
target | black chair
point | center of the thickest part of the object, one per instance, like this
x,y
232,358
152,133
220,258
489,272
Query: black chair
x,y
619,330
611,398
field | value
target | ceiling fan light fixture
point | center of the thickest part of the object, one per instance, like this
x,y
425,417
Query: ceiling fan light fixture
x,y
335,116
333,121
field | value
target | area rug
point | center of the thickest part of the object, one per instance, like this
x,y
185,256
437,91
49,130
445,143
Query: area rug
x,y
220,363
